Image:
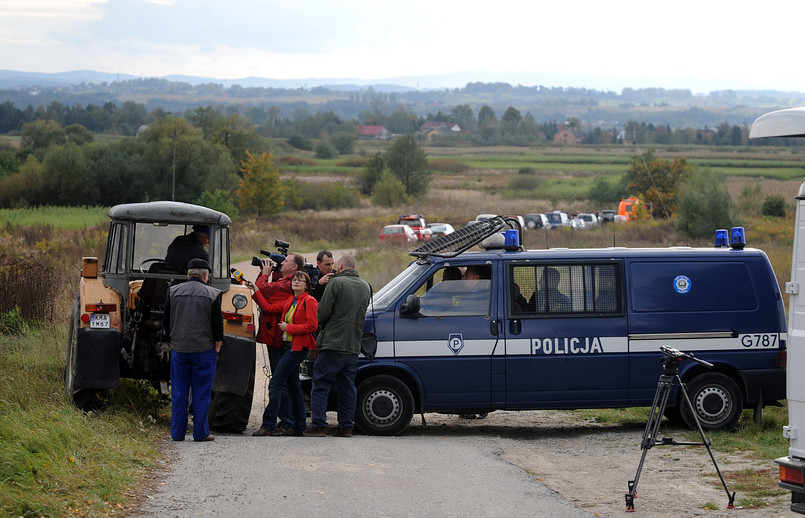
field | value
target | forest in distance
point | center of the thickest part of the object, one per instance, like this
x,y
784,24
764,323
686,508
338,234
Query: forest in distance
x,y
674,108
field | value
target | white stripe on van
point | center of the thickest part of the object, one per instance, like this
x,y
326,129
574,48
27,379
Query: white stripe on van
x,y
754,341
575,346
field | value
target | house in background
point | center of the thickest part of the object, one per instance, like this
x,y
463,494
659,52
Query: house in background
x,y
373,133
569,135
432,129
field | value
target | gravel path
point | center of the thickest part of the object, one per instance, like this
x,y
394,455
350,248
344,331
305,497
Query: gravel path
x,y
534,463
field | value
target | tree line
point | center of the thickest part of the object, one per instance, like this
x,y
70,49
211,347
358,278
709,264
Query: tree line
x,y
484,127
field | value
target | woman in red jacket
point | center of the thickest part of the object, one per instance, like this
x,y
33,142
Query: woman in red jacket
x,y
298,324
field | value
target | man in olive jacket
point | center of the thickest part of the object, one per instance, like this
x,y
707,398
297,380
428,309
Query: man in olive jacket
x,y
341,314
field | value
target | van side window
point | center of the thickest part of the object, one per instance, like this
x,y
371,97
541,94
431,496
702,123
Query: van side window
x,y
565,289
450,292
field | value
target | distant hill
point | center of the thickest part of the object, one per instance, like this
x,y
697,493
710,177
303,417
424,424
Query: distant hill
x,y
10,79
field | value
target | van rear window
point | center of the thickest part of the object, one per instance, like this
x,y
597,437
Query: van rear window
x,y
691,286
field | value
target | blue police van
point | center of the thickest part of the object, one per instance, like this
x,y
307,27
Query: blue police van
x,y
463,330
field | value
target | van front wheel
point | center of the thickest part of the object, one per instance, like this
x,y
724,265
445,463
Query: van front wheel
x,y
385,406
716,399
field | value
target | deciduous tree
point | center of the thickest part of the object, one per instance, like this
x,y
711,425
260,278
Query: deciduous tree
x,y
261,188
408,162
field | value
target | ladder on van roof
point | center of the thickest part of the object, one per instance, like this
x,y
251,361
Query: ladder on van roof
x,y
463,239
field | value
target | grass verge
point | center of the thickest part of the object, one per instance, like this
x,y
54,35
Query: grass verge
x,y
56,460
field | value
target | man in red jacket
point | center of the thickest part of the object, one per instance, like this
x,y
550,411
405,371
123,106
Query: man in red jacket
x,y
271,292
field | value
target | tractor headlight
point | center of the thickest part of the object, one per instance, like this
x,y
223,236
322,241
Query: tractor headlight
x,y
240,301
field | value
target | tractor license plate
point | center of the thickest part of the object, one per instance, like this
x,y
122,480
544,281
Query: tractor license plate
x,y
99,321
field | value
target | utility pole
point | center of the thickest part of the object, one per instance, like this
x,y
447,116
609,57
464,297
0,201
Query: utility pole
x,y
173,183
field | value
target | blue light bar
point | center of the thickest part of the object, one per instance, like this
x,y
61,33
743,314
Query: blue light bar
x,y
737,238
512,240
722,240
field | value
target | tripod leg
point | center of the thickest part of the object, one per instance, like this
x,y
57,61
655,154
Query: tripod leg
x,y
650,434
706,442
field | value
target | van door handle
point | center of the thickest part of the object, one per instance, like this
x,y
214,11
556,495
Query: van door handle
x,y
515,326
494,327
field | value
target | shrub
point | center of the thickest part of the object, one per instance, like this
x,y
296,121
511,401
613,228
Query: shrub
x,y
389,191
773,206
300,142
324,196
325,150
12,323
526,170
703,206
344,142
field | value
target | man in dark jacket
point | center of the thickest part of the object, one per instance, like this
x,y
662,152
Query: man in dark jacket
x,y
322,273
341,315
195,326
187,247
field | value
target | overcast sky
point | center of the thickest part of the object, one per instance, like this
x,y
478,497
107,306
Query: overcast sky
x,y
703,45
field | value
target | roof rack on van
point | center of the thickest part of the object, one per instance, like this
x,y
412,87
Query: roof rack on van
x,y
450,245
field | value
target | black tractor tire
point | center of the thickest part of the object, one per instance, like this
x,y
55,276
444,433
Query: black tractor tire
x,y
84,398
229,413
385,406
716,399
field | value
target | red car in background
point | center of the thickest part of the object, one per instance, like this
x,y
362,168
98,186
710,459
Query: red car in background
x,y
418,225
398,234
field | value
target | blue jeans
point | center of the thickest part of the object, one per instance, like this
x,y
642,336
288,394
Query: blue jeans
x,y
334,369
284,390
285,414
196,371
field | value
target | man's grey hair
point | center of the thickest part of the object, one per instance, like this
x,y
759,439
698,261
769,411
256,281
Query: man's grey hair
x,y
347,261
197,272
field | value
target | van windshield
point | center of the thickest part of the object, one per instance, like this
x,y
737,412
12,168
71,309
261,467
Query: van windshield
x,y
391,291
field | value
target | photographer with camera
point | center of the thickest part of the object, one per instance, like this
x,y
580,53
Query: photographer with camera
x,y
270,292
320,275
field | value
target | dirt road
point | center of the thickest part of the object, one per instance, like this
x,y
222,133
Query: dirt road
x,y
534,463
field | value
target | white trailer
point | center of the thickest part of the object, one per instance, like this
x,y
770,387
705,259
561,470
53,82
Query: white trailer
x,y
791,123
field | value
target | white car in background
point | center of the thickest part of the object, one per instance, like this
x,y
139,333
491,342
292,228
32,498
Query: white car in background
x,y
441,229
587,220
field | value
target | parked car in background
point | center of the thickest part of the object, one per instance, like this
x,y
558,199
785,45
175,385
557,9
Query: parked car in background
x,y
441,229
535,221
398,234
417,224
587,220
608,216
484,217
558,219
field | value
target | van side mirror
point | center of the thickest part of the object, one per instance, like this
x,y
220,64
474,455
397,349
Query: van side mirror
x,y
410,307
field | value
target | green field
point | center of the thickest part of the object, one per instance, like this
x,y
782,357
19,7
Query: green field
x,y
56,217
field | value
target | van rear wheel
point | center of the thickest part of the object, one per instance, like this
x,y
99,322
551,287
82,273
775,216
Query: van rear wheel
x,y
717,402
385,406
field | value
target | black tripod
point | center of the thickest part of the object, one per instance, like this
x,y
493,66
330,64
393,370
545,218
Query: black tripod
x,y
671,358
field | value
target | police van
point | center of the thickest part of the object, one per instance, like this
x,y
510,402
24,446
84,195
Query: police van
x,y
791,123
502,328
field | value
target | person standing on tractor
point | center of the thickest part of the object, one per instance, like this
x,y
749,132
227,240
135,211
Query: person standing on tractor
x,y
187,247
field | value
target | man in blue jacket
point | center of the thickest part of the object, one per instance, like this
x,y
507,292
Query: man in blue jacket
x,y
195,326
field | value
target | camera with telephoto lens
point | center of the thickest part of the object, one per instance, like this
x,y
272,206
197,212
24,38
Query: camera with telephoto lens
x,y
276,257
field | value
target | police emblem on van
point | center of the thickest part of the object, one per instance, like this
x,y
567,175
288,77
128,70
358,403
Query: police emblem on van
x,y
682,284
455,342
